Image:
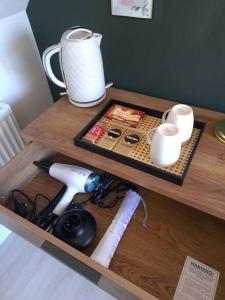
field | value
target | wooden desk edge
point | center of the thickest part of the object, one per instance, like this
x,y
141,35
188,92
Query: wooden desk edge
x,y
154,186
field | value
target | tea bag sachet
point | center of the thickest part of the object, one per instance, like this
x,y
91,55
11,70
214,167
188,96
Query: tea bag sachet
x,y
95,133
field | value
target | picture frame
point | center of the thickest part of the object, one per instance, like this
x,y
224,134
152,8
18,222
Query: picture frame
x,y
132,8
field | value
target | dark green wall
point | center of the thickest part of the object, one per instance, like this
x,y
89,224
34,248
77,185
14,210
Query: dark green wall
x,y
179,54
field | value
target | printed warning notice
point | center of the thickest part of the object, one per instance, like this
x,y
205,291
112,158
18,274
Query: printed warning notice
x,y
197,281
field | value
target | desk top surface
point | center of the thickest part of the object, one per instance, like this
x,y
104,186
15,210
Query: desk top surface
x,y
204,184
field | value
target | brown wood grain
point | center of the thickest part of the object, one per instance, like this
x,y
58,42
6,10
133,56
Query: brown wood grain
x,y
204,185
37,236
150,258
19,173
20,170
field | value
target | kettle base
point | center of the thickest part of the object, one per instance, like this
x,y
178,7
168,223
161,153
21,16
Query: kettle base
x,y
87,104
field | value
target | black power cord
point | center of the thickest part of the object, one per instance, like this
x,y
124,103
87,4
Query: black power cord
x,y
21,200
109,186
114,190
46,217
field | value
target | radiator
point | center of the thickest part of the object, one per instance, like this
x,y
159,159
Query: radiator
x,y
10,135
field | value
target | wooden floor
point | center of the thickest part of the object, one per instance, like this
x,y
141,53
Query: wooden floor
x,y
28,273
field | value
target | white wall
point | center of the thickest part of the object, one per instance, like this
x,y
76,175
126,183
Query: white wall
x,y
23,84
11,7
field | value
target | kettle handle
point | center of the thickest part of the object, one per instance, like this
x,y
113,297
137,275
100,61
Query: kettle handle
x,y
46,60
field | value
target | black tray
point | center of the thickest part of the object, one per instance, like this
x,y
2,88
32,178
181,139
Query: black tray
x,y
127,160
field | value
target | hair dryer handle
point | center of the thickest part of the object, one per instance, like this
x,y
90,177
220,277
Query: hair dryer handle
x,y
46,59
65,201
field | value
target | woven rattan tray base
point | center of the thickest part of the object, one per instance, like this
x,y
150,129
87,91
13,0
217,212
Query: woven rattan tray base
x,y
141,152
140,157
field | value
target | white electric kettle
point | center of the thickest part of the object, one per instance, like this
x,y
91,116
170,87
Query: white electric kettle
x,y
81,66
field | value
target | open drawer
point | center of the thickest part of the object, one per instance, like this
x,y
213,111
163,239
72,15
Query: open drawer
x,y
148,261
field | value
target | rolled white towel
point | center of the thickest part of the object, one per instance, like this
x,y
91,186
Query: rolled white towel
x,y
106,248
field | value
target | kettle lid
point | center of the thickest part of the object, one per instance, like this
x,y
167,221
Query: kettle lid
x,y
78,34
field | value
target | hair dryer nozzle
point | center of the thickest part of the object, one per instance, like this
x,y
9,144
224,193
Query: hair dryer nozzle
x,y
44,165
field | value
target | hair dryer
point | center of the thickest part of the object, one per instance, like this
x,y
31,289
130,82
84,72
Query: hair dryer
x,y
77,180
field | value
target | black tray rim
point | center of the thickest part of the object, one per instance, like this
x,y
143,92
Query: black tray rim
x,y
179,180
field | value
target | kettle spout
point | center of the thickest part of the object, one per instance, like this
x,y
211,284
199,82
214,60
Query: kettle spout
x,y
98,38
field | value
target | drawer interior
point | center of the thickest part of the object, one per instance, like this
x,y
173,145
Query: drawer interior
x,y
152,258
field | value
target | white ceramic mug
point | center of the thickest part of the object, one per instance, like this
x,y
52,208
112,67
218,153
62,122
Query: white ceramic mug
x,y
165,145
182,116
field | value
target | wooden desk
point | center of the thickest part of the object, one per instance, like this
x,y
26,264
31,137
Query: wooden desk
x,y
148,261
204,185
